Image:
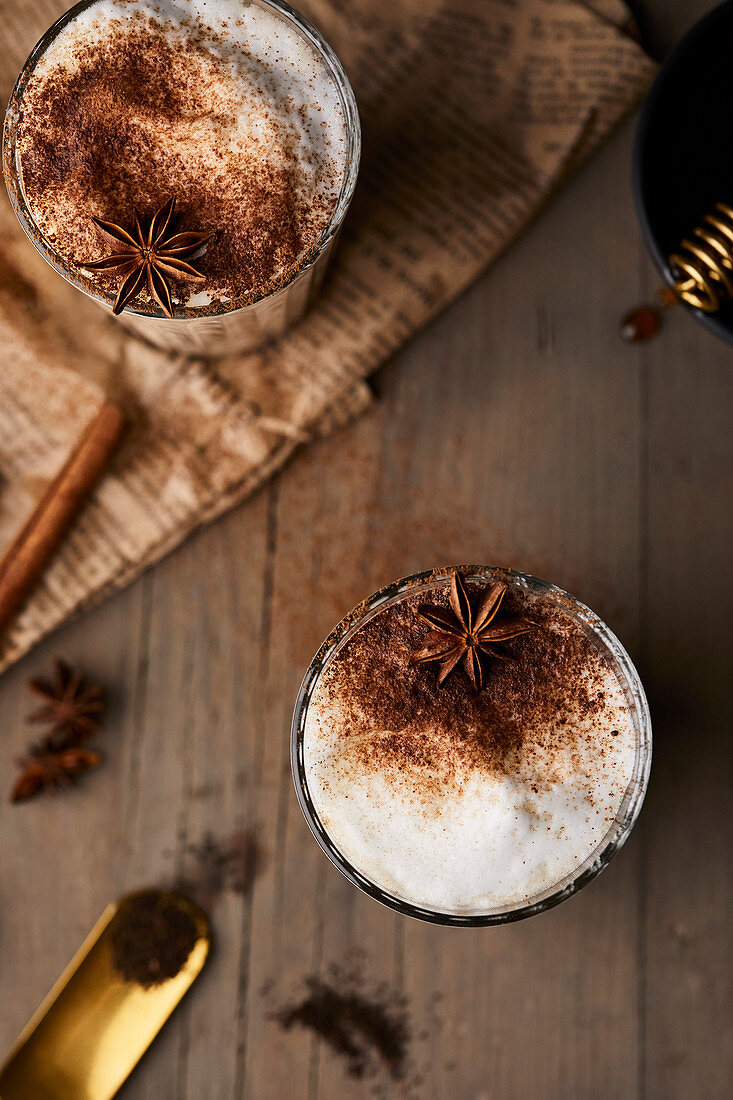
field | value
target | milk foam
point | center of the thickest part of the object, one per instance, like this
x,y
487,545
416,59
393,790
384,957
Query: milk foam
x,y
273,101
483,839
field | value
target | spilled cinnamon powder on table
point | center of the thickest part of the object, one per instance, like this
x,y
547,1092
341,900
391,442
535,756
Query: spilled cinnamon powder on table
x,y
366,1032
212,866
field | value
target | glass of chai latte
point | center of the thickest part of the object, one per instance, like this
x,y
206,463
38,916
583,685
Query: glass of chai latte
x,y
237,110
471,746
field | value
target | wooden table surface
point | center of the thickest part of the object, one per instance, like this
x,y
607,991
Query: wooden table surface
x,y
518,430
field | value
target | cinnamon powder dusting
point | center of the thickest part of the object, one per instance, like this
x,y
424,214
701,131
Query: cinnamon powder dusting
x,y
138,118
543,701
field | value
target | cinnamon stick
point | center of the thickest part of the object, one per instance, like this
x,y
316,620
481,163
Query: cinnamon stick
x,y
41,535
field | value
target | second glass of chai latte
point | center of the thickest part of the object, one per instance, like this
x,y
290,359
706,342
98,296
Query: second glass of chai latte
x,y
218,143
471,745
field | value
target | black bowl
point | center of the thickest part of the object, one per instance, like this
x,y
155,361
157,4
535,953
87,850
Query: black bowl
x,y
683,160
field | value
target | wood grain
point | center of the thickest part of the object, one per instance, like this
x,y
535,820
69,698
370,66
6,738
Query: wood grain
x,y
519,430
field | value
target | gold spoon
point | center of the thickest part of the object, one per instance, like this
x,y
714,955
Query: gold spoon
x,y
111,1000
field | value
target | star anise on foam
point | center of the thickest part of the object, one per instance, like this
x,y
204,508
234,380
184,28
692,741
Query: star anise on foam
x,y
48,772
466,634
148,256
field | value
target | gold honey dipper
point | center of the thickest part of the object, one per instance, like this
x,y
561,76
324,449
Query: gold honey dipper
x,y
702,274
703,268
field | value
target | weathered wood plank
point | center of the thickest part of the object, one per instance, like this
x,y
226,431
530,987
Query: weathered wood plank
x,y
687,904
195,821
689,886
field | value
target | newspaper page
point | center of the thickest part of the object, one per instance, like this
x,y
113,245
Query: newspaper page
x,y
473,112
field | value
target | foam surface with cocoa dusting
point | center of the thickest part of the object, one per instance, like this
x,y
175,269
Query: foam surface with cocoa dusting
x,y
216,101
461,801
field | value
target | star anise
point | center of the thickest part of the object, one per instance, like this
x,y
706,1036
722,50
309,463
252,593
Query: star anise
x,y
464,634
148,256
71,708
51,771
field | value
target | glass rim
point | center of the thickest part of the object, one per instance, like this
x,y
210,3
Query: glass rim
x,y
628,810
13,177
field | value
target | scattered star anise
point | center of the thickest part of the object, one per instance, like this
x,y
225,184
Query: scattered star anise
x,y
464,634
71,712
148,256
50,771
71,708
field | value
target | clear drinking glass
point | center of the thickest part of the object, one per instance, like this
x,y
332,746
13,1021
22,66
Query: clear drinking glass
x,y
610,649
219,329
